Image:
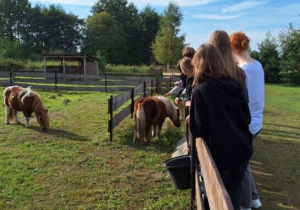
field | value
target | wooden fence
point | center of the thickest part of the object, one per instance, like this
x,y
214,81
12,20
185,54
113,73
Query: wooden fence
x,y
209,184
6,78
147,88
76,82
207,187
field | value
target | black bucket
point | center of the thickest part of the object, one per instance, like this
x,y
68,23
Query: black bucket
x,y
179,171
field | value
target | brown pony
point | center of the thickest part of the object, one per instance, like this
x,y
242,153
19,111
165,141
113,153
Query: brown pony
x,y
18,99
153,112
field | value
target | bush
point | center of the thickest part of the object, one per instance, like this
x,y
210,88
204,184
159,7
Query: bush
x,y
11,64
121,69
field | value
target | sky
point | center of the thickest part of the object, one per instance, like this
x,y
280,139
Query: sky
x,y
202,17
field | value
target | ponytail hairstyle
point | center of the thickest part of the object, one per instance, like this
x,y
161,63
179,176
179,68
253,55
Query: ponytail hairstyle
x,y
239,42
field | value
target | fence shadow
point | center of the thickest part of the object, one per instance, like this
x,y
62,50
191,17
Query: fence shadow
x,y
59,133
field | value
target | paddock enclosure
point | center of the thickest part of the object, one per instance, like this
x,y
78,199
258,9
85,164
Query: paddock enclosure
x,y
75,166
79,82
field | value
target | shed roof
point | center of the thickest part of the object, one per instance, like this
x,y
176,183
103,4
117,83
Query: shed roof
x,y
70,56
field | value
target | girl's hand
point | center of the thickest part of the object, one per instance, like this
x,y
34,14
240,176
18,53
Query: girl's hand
x,y
187,119
177,101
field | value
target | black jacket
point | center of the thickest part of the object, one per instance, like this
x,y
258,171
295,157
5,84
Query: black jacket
x,y
220,115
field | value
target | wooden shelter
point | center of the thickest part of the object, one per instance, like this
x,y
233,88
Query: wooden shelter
x,y
72,64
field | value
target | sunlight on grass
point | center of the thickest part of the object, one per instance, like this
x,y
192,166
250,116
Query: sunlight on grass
x,y
74,166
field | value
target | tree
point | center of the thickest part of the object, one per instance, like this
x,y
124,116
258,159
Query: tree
x,y
103,36
149,25
63,31
126,19
168,45
13,19
269,58
290,60
34,30
118,10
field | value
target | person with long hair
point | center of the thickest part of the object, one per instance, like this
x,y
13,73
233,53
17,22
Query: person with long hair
x,y
219,114
187,70
240,44
221,40
179,86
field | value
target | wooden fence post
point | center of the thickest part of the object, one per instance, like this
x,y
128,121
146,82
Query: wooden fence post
x,y
110,112
132,102
55,79
105,82
156,85
145,90
11,77
152,81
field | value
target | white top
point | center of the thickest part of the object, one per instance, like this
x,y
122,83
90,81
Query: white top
x,y
256,93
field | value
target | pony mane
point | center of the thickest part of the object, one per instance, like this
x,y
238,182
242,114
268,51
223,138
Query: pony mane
x,y
173,111
171,108
37,103
27,92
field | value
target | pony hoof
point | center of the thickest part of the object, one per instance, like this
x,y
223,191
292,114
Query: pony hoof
x,y
7,123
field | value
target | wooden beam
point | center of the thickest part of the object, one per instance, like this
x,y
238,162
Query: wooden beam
x,y
218,198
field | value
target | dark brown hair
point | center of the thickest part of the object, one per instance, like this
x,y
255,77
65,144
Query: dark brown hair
x,y
188,52
221,40
208,63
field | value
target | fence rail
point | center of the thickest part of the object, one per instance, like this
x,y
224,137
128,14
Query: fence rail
x,y
145,89
211,183
77,82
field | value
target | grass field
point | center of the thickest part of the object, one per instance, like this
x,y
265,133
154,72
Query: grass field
x,y
74,166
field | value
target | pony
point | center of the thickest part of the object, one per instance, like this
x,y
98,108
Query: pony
x,y
152,111
19,99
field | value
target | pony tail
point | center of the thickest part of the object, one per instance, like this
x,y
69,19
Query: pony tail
x,y
140,122
11,115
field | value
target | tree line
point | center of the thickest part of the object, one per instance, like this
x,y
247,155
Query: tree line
x,y
117,33
280,57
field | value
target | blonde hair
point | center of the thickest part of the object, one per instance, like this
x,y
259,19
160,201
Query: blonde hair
x,y
221,40
208,63
239,41
186,66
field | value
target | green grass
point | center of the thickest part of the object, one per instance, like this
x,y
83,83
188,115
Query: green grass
x,y
74,166
275,163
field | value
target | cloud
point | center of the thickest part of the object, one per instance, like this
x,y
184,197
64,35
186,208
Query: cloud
x,y
245,5
218,17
